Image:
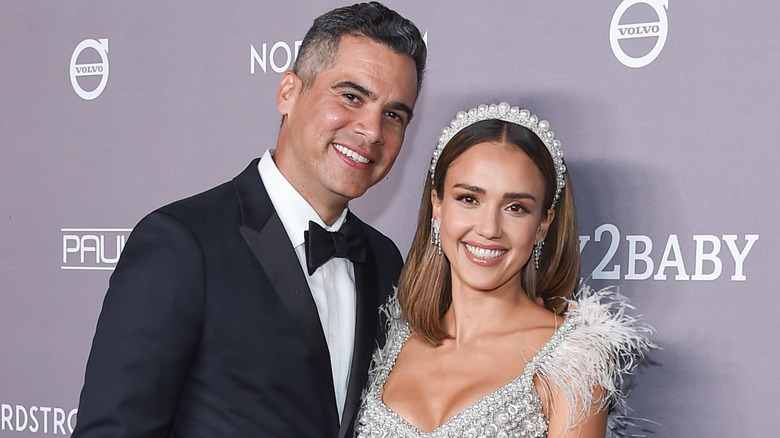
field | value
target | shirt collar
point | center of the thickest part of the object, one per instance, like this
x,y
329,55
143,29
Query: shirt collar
x,y
293,210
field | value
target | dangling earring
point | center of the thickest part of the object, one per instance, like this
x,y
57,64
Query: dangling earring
x,y
435,238
538,251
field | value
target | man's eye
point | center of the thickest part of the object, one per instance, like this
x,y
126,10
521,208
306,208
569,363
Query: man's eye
x,y
395,116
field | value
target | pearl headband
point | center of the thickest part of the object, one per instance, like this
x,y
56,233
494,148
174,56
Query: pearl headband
x,y
515,115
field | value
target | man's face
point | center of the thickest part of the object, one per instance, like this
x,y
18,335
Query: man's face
x,y
342,134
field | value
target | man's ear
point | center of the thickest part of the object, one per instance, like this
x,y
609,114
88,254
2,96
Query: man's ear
x,y
289,89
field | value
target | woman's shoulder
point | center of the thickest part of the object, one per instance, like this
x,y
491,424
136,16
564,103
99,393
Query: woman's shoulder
x,y
396,334
603,327
599,343
600,328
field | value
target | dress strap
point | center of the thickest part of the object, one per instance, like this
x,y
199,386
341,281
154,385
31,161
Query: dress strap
x,y
533,365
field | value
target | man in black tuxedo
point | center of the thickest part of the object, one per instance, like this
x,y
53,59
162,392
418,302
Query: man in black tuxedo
x,y
226,315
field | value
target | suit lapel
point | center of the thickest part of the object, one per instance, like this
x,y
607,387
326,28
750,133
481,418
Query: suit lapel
x,y
367,302
265,235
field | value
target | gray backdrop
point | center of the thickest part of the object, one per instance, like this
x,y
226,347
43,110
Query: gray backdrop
x,y
667,112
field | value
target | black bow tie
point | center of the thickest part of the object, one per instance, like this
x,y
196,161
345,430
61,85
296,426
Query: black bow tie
x,y
349,242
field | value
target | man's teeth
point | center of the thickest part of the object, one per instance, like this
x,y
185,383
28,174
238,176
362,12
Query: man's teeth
x,y
485,253
354,156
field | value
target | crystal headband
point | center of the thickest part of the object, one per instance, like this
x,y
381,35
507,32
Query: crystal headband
x,y
515,115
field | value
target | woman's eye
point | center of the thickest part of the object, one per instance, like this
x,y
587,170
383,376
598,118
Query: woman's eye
x,y
467,199
518,208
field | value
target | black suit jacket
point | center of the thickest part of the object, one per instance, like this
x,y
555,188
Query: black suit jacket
x,y
208,328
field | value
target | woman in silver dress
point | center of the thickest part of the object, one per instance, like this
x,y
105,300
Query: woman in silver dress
x,y
470,351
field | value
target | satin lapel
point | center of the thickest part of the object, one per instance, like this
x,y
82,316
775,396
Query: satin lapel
x,y
273,250
367,314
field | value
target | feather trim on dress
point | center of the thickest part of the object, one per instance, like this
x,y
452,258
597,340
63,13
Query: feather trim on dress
x,y
380,360
606,345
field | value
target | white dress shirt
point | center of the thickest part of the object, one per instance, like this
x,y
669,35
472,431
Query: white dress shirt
x,y
332,285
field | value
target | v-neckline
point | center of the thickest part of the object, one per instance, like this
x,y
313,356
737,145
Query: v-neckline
x,y
528,372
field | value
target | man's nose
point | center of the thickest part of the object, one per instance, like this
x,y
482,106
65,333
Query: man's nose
x,y
369,125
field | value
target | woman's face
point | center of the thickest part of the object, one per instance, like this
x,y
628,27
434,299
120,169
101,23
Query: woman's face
x,y
491,214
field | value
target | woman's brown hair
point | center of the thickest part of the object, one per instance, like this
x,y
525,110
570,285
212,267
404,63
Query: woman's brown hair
x,y
424,290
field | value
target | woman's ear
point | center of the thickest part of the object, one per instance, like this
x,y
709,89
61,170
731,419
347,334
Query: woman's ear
x,y
435,205
544,225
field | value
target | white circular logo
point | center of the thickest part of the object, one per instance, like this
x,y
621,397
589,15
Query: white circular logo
x,y
94,69
652,29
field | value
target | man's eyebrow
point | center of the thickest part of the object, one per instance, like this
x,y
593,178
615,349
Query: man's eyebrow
x,y
396,106
357,87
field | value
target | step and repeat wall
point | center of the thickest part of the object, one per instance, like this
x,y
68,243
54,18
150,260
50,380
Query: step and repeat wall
x,y
667,111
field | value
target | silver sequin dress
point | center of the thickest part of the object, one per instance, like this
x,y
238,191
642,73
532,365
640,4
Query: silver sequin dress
x,y
596,344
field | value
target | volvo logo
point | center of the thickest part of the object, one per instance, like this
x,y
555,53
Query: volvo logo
x,y
90,69
654,27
